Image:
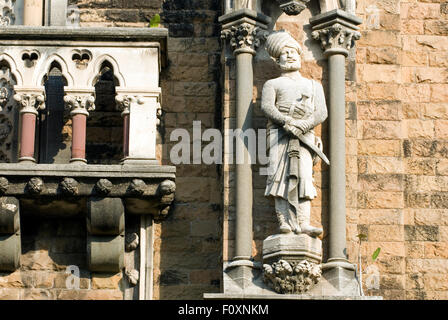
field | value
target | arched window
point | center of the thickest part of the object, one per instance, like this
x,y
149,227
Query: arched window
x,y
54,141
105,125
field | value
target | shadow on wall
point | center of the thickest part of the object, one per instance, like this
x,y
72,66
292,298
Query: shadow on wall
x,y
188,243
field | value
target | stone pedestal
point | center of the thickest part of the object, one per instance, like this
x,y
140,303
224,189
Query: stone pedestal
x,y
291,263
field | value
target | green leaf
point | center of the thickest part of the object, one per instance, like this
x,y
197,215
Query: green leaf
x,y
376,253
362,237
155,21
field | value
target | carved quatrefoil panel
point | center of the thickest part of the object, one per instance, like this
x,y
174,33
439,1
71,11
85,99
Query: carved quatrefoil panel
x,y
81,58
30,58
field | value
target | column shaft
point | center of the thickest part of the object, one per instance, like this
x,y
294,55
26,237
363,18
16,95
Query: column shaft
x,y
79,122
27,136
244,83
126,135
337,224
33,12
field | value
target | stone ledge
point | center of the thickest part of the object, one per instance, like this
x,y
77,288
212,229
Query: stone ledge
x,y
224,296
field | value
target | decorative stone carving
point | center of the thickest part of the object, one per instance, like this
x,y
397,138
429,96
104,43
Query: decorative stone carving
x,y
132,276
137,187
167,187
293,105
30,102
72,16
292,7
7,16
5,86
132,241
80,104
124,102
35,186
3,185
245,36
336,36
29,58
291,277
69,186
81,58
103,186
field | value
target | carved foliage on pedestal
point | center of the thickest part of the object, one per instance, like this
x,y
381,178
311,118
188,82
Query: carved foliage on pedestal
x,y
291,277
7,16
244,36
336,36
292,7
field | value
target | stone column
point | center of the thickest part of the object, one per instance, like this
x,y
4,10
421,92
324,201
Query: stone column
x,y
30,100
33,12
337,31
244,29
139,111
80,102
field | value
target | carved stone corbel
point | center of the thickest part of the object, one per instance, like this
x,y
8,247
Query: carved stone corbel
x,y
167,191
105,241
293,7
10,245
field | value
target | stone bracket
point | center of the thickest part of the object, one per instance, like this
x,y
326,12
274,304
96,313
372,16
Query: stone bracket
x,y
105,240
292,7
10,245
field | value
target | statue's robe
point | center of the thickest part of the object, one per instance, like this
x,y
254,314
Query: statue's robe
x,y
291,161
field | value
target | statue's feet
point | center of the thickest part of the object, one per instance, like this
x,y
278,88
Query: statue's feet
x,y
312,231
284,228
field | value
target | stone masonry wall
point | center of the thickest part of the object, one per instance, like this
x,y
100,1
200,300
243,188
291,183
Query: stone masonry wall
x,y
401,96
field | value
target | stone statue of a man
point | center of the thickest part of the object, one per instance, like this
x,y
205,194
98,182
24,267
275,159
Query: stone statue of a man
x,y
293,105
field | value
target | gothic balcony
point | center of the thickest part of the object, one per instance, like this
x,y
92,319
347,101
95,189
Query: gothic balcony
x,y
104,193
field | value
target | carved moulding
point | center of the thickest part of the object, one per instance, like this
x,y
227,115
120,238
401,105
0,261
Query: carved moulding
x,y
294,7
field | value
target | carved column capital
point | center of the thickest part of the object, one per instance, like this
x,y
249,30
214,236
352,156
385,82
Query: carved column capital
x,y
80,103
124,102
244,37
336,30
337,38
245,30
30,102
294,7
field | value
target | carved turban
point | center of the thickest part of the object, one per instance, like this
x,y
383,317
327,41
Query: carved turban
x,y
278,40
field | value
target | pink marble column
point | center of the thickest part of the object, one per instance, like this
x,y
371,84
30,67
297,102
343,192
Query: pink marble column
x,y
29,104
79,104
79,123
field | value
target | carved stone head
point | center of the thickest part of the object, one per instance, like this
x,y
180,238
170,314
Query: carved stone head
x,y
285,50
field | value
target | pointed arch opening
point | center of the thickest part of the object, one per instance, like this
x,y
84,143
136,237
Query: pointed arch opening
x,y
105,125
